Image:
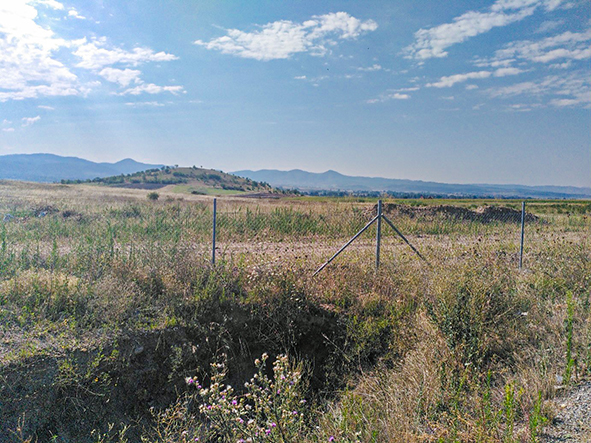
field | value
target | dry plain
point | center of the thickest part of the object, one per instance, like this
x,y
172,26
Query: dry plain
x,y
108,302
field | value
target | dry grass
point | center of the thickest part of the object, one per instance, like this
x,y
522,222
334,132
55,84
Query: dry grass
x,y
408,353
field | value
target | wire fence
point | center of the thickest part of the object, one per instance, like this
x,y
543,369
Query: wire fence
x,y
283,231
329,230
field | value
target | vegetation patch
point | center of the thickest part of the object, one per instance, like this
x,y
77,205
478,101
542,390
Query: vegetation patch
x,y
112,316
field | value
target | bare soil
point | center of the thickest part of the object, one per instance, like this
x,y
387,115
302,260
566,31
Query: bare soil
x,y
573,421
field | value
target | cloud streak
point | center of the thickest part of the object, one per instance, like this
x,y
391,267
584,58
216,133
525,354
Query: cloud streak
x,y
573,90
151,88
387,97
568,45
449,81
95,55
282,39
434,42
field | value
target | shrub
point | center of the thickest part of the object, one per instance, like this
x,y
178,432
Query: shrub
x,y
153,196
271,409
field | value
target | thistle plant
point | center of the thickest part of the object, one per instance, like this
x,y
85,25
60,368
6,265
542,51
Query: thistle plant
x,y
271,409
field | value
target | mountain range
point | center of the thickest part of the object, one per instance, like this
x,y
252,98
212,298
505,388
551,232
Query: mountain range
x,y
53,168
334,181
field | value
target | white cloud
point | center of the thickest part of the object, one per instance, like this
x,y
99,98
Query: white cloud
x,y
433,42
121,76
564,65
584,99
282,39
471,87
145,104
32,56
150,88
96,56
28,121
314,81
568,45
28,67
523,107
53,4
504,72
8,129
48,108
490,63
388,97
446,82
548,5
74,14
561,91
375,67
549,25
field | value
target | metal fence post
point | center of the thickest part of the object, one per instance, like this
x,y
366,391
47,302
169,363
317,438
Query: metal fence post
x,y
213,236
378,234
522,234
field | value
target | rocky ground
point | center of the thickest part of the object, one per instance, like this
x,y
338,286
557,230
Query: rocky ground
x,y
573,420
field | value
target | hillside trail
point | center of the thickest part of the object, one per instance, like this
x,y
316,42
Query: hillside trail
x,y
573,420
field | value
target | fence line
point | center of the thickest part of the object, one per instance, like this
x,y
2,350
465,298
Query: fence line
x,y
267,232
378,220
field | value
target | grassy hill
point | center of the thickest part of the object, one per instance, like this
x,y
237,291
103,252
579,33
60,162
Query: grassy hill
x,y
187,180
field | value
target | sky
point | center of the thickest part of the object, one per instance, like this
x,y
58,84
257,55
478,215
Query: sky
x,y
455,91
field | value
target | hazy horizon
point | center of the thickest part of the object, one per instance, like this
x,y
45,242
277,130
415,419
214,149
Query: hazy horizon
x,y
238,171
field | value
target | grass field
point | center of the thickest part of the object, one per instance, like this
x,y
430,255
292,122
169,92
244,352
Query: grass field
x,y
109,304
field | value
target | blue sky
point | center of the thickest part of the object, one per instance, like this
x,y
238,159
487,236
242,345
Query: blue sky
x,y
457,91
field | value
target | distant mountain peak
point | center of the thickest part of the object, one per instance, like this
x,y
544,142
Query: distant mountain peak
x,y
45,167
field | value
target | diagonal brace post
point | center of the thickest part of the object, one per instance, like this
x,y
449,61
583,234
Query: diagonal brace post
x,y
347,244
404,238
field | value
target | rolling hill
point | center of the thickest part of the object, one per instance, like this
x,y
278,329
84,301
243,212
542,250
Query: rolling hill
x,y
192,180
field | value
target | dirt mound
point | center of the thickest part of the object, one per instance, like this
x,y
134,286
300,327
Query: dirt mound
x,y
483,214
